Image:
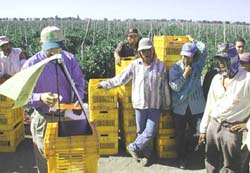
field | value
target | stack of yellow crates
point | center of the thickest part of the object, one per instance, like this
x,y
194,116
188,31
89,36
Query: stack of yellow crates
x,y
127,113
165,141
168,48
71,154
103,111
11,125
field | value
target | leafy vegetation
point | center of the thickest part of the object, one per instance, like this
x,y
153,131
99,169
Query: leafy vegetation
x,y
93,41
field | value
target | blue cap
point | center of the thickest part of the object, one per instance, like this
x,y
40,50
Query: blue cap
x,y
52,45
188,49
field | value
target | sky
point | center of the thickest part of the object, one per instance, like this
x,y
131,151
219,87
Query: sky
x,y
219,10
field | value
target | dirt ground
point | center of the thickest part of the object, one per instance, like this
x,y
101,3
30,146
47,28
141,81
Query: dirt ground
x,y
22,161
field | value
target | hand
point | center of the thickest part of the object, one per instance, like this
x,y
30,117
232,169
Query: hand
x,y
49,99
117,60
99,86
187,71
202,138
239,127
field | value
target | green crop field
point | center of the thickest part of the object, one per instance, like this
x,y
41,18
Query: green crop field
x,y
93,41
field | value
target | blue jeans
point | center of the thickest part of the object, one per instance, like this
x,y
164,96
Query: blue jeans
x,y
147,123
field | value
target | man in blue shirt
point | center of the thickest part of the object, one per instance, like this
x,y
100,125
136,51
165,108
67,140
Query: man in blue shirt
x,y
51,83
187,95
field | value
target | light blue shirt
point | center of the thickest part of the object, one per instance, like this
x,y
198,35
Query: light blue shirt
x,y
188,92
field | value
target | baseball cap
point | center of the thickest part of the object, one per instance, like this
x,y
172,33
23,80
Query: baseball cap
x,y
188,49
4,40
245,57
145,43
226,50
132,31
51,37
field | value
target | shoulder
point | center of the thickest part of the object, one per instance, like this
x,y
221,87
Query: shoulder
x,y
68,56
122,43
39,56
178,65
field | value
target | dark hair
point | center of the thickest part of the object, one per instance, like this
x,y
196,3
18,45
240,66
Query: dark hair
x,y
240,39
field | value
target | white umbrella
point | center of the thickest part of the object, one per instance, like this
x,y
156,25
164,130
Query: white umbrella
x,y
20,86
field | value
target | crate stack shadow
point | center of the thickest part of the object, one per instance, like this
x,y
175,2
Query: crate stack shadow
x,y
103,111
11,125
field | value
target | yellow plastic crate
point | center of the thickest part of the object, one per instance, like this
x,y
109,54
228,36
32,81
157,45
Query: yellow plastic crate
x,y
54,144
169,64
125,90
168,48
10,117
100,98
5,101
167,132
109,143
73,162
10,139
71,154
130,137
105,120
125,61
129,122
124,105
170,41
168,54
166,122
167,154
108,125
166,147
103,114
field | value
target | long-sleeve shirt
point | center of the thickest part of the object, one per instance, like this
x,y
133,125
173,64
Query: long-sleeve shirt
x,y
13,63
232,104
188,92
47,81
149,84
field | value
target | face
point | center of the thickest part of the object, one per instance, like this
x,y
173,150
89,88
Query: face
x,y
52,52
147,56
133,39
6,48
240,47
224,67
187,60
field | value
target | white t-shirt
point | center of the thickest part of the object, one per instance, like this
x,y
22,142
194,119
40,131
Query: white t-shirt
x,y
12,64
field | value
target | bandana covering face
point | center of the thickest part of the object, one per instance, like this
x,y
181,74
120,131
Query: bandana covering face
x,y
229,54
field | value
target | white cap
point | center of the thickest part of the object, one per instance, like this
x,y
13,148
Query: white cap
x,y
145,43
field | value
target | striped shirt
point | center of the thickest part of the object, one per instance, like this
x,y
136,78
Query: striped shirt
x,y
188,92
149,84
232,104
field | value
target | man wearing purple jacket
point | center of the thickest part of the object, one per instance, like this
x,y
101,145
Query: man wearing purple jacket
x,y
51,83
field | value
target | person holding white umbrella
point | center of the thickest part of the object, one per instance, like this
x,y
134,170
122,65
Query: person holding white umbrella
x,y
51,85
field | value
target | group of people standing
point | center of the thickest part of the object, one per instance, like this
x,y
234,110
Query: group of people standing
x,y
220,118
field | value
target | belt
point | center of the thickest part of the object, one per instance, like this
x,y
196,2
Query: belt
x,y
52,114
227,124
